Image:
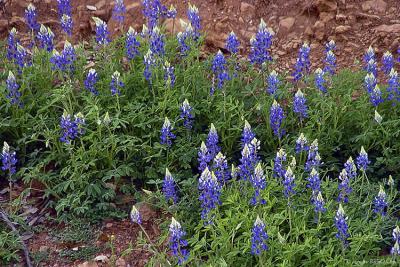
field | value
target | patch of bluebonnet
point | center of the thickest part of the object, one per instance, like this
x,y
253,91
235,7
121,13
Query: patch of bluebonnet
x,y
344,187
220,168
303,64
395,250
169,75
177,242
246,165
64,61
157,42
273,83
247,134
319,203
149,62
259,237
102,34
21,58
210,192
46,38
393,88
184,38
380,202
232,43
132,44
276,117
300,105
135,215
369,55
212,142
375,96
288,183
91,80
320,81
13,94
203,157
186,114
12,42
279,168
387,62
166,133
119,11
71,129
351,168
261,44
194,18
153,10
341,226
169,187
330,46
116,84
66,24
370,82
31,18
371,67
171,13
64,8
314,182
313,157
8,160
220,71
259,183
301,144
330,63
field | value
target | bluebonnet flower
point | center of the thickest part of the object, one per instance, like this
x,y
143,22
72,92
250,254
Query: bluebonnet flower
x,y
166,133
302,66
261,44
30,18
71,128
319,203
177,241
259,237
212,142
234,172
169,187
66,24
12,87
293,163
157,42
46,37
330,46
393,88
259,183
247,134
376,96
371,67
387,62
396,238
351,168
132,44
203,157
301,144
91,80
273,83
232,43
314,183
246,165
135,215
149,62
341,225
12,42
380,202
169,75
395,250
119,11
313,157
369,55
171,13
64,8
344,187
288,183
299,105
116,83
220,168
220,70
320,80
185,37
370,82
186,114
21,58
65,60
254,147
276,117
153,10
101,31
8,159
279,168
330,62
194,18
378,117
210,192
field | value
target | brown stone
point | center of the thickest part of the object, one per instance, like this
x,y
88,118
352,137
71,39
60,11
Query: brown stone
x,y
286,24
342,29
169,25
100,4
394,28
319,30
326,16
3,25
133,6
374,5
326,5
247,9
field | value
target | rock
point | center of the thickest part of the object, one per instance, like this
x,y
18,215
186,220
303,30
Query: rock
x,y
319,30
326,16
286,24
146,211
169,25
216,39
3,25
394,28
91,8
374,5
247,9
133,6
342,29
102,258
246,34
326,5
100,4
88,264
308,31
15,19
120,262
341,17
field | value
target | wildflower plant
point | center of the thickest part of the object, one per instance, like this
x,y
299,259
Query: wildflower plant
x,y
187,114
12,42
303,64
380,202
116,83
178,242
31,18
132,44
210,192
119,11
169,188
300,106
102,34
261,44
273,83
232,43
13,93
259,183
91,80
276,118
67,24
342,226
219,69
259,237
167,136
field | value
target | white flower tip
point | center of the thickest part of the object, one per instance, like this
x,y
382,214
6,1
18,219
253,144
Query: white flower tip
x,y
174,223
258,221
